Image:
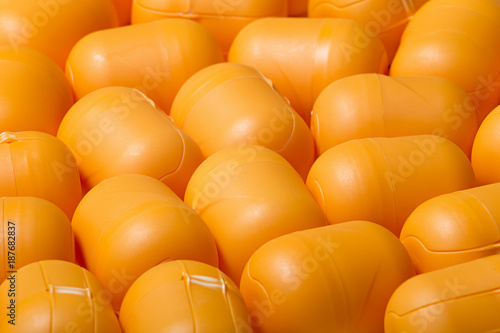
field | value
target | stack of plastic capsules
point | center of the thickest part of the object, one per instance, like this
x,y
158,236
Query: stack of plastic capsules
x,y
239,166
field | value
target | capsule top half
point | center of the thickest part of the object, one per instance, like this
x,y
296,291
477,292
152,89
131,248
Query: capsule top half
x,y
156,58
53,27
302,56
384,179
223,18
458,299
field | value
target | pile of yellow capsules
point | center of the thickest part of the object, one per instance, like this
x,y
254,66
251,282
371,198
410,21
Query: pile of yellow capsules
x,y
239,166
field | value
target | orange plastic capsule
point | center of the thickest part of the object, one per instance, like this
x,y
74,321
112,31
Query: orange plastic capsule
x,y
331,279
302,56
371,105
55,296
36,164
454,228
230,104
26,72
34,229
155,58
458,40
184,296
223,18
118,130
249,195
124,10
130,223
53,26
384,179
486,150
457,299
384,18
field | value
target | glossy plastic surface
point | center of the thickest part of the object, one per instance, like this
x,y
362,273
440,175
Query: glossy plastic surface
x,y
57,296
131,223
454,228
371,105
184,296
384,179
118,130
26,72
457,40
249,195
223,18
332,279
302,56
230,104
33,229
36,164
384,18
457,299
53,26
486,150
155,58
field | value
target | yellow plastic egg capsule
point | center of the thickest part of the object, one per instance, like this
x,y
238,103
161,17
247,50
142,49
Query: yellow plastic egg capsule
x,y
155,58
454,228
184,296
231,104
486,150
249,195
34,229
36,164
130,223
223,18
457,299
384,18
53,26
302,56
332,279
118,130
34,93
384,179
457,40
371,105
55,296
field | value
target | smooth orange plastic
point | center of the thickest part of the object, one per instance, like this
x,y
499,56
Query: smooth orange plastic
x,y
457,299
155,58
231,104
386,19
56,296
53,26
33,229
130,223
34,93
36,164
384,179
486,150
223,18
249,195
371,105
337,278
124,11
454,228
458,40
118,130
302,56
184,296
297,7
